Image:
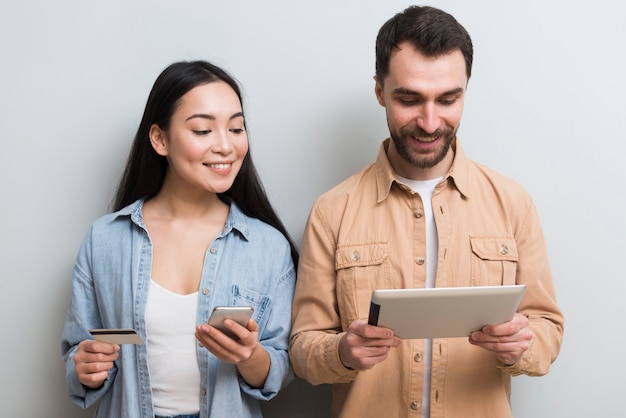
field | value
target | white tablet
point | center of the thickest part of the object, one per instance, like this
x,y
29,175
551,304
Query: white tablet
x,y
443,312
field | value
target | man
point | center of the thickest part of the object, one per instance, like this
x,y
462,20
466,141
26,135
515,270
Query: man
x,y
423,215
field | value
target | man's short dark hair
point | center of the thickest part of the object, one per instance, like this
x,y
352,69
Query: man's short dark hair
x,y
431,31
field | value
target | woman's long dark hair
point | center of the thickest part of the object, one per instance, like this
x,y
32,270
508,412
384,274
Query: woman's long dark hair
x,y
145,169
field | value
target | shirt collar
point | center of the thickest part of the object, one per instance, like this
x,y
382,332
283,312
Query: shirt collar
x,y
458,175
236,220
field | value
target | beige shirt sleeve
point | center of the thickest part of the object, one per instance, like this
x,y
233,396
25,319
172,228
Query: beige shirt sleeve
x,y
317,329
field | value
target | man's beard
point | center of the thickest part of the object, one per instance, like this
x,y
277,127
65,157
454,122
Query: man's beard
x,y
422,160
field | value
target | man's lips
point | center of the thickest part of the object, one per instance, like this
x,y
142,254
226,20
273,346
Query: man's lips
x,y
425,139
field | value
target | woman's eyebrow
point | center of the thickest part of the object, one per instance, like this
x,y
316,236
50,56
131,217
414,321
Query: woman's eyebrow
x,y
211,117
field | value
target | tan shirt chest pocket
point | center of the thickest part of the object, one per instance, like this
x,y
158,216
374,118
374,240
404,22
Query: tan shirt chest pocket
x,y
493,261
360,269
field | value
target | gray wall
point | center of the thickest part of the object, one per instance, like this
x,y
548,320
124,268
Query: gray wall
x,y
546,106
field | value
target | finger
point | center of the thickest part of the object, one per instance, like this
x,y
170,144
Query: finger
x,y
215,340
513,347
512,327
93,380
93,346
366,359
355,340
240,331
372,331
252,326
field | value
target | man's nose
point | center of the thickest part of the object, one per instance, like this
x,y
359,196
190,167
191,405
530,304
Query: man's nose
x,y
428,118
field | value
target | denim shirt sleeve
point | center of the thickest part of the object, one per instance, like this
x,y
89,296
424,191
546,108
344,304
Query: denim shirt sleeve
x,y
81,317
102,297
275,339
262,275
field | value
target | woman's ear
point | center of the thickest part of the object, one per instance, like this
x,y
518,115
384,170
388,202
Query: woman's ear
x,y
158,140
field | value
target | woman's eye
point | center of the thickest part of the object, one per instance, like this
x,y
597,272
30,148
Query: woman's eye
x,y
202,132
237,130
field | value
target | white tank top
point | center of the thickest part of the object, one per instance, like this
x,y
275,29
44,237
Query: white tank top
x,y
172,360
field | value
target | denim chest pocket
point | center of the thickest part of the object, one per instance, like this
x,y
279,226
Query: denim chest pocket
x,y
493,261
360,269
243,296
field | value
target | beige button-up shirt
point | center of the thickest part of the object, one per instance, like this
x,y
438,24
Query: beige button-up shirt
x,y
369,233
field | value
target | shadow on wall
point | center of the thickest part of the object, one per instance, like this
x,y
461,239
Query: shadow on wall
x,y
299,399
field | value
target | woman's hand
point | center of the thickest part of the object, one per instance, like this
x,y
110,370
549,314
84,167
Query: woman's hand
x,y
245,351
93,361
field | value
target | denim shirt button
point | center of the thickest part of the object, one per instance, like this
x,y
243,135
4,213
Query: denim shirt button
x,y
213,250
205,292
203,392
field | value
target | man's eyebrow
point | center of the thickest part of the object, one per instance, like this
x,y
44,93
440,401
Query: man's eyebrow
x,y
211,117
404,90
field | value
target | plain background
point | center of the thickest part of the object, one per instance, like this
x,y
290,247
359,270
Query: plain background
x,y
545,105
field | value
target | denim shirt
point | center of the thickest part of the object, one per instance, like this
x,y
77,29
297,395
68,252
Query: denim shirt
x,y
248,263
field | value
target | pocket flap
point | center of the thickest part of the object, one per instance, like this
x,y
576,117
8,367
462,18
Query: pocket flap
x,y
494,248
360,255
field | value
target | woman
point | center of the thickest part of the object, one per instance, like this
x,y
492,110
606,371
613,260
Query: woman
x,y
192,229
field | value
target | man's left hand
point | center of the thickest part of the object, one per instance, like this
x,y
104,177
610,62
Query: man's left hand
x,y
508,340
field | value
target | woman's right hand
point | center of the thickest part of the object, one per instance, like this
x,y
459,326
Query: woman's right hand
x,y
93,361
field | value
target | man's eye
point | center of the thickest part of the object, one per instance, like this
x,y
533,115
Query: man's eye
x,y
409,100
448,102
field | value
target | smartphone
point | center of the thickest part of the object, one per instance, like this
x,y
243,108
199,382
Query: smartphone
x,y
239,314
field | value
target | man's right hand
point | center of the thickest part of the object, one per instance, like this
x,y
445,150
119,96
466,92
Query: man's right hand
x,y
93,361
363,346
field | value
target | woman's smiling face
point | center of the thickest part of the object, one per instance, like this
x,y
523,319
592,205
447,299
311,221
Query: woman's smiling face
x,y
206,141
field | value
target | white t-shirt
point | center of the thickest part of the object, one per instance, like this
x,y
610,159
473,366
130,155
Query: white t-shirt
x,y
426,188
172,360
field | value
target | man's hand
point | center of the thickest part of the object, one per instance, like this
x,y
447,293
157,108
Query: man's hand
x,y
508,340
363,346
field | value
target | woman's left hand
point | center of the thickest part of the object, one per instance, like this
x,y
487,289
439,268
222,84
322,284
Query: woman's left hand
x,y
251,359
227,349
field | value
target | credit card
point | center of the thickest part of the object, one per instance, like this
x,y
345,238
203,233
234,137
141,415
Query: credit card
x,y
116,335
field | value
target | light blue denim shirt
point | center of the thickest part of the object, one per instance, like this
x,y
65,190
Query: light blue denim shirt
x,y
248,263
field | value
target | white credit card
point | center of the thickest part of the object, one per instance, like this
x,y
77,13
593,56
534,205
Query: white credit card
x,y
116,335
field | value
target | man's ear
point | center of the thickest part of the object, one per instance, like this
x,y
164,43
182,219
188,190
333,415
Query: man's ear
x,y
378,90
158,140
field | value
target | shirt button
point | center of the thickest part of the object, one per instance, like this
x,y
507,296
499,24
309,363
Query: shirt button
x,y
418,213
213,250
205,292
504,250
420,260
415,405
356,256
418,357
203,392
